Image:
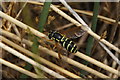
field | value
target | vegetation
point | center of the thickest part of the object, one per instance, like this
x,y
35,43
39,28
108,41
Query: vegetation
x,y
26,49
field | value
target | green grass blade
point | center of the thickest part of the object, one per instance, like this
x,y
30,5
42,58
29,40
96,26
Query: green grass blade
x,y
90,38
28,67
42,22
44,15
94,23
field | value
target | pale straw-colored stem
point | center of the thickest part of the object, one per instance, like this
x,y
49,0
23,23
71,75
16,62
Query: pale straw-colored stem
x,y
110,53
84,28
97,63
13,66
70,61
25,58
79,54
38,58
79,11
87,27
22,25
37,33
91,14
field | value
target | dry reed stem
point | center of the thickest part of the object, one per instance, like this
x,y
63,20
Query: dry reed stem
x,y
38,58
30,28
37,33
14,27
91,14
84,28
78,24
40,34
97,63
81,55
13,66
79,11
114,65
87,27
25,58
70,61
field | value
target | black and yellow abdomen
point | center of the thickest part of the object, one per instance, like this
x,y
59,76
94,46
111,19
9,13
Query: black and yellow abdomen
x,y
65,42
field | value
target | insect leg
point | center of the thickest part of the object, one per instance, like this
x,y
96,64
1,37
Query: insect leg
x,y
55,45
59,55
59,48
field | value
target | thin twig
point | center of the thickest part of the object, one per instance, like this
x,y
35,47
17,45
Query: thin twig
x,y
14,27
110,53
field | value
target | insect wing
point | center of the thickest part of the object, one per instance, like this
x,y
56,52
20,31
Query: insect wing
x,y
72,33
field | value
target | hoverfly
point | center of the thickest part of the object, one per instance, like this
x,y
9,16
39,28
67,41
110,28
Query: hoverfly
x,y
66,42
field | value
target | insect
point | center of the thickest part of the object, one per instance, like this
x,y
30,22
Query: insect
x,y
68,44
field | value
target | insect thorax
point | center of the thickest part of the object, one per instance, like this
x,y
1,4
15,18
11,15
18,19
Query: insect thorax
x,y
55,36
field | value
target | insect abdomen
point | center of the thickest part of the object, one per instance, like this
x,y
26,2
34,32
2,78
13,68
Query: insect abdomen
x,y
69,45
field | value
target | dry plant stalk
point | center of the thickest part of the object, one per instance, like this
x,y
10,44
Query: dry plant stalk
x,y
79,54
25,58
84,28
79,11
91,14
66,59
37,33
38,58
43,50
33,75
87,27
